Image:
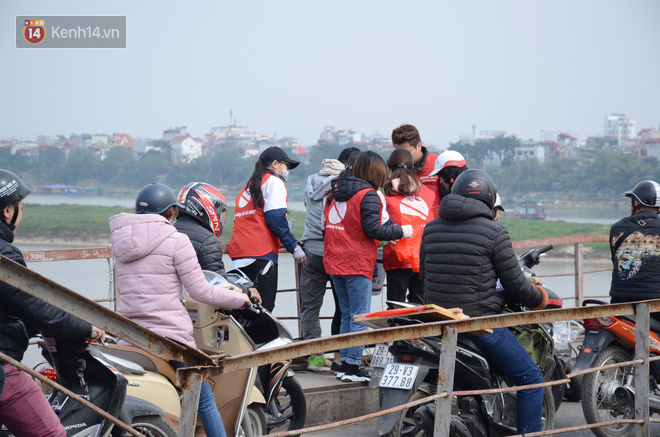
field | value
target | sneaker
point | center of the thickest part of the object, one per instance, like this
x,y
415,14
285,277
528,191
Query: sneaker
x,y
318,363
342,370
335,368
355,374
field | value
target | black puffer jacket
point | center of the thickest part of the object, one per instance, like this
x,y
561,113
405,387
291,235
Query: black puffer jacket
x,y
206,244
463,253
343,188
21,314
636,272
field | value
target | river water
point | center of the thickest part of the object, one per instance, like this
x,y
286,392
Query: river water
x,y
91,278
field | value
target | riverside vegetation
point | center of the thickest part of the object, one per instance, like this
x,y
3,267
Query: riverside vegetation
x,y
79,225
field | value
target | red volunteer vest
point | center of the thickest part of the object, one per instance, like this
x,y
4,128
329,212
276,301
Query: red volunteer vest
x,y
251,237
346,249
431,182
400,206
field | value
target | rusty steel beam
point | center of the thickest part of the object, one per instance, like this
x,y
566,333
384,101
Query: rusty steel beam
x,y
192,383
61,297
446,367
308,347
555,241
34,256
641,377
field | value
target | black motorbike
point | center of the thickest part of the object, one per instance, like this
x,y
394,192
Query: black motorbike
x,y
472,416
83,369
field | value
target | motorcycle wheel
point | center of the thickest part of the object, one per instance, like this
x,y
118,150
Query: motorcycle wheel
x,y
548,417
573,392
558,391
153,426
288,410
405,426
598,401
257,419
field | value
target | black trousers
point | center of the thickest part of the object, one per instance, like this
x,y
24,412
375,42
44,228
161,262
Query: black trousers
x,y
267,284
401,280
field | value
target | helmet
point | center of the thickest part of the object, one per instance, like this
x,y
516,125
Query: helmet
x,y
154,199
647,192
12,189
448,158
206,203
498,203
476,184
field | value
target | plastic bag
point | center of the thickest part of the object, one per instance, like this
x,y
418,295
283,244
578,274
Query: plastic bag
x,y
407,249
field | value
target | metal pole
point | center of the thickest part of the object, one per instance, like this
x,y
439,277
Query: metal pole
x,y
192,383
296,271
446,366
642,323
579,275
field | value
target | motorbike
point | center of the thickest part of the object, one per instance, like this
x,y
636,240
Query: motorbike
x,y
471,416
278,401
610,394
83,368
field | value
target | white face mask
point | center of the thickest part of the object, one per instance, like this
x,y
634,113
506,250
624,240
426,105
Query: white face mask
x,y
285,174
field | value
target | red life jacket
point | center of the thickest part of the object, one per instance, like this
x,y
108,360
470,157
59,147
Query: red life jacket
x,y
251,237
400,206
431,182
346,249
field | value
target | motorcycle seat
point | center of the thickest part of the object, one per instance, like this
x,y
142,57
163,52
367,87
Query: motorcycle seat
x,y
464,341
654,323
148,361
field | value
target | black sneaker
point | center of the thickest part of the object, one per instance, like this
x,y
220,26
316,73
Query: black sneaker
x,y
342,370
355,374
335,368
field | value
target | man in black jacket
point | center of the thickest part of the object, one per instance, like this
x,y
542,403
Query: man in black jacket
x,y
463,253
23,408
635,248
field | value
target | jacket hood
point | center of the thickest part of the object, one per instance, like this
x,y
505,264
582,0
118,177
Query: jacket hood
x,y
457,208
136,235
344,188
331,167
318,186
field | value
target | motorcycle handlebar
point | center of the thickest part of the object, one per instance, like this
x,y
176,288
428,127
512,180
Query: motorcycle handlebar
x,y
545,249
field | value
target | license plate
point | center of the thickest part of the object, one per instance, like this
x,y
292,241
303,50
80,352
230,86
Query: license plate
x,y
401,376
381,356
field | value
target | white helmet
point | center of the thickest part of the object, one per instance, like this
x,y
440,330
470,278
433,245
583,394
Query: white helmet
x,y
448,158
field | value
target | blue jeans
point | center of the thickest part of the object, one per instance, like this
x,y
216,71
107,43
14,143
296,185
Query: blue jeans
x,y
207,410
505,353
354,295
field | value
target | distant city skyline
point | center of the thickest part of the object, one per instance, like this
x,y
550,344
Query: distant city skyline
x,y
291,68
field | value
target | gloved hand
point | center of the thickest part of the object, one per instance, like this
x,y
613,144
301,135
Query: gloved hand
x,y
299,254
544,300
407,231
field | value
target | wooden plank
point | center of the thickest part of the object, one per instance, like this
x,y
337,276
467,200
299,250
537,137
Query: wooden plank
x,y
424,313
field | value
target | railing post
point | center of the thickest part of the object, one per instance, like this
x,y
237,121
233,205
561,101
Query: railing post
x,y
297,268
642,326
447,364
579,275
192,383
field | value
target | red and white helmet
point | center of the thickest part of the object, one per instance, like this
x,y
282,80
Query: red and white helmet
x,y
206,203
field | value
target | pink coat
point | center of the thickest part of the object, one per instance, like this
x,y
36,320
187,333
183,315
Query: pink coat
x,y
152,261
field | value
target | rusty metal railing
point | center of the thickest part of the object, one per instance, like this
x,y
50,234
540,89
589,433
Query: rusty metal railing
x,y
42,288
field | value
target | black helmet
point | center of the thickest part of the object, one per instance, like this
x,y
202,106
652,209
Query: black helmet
x,y
476,184
154,199
206,203
647,192
12,189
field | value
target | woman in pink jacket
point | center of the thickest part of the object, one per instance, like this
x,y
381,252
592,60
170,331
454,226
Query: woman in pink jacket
x,y
153,261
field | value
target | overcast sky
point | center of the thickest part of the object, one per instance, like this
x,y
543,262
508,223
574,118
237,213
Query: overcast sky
x,y
293,67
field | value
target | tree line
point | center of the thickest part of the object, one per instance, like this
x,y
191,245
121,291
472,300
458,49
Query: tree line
x,y
602,172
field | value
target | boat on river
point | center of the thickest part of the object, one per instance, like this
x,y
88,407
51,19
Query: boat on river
x,y
530,211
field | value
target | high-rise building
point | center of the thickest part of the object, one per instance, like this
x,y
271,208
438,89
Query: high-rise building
x,y
621,127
